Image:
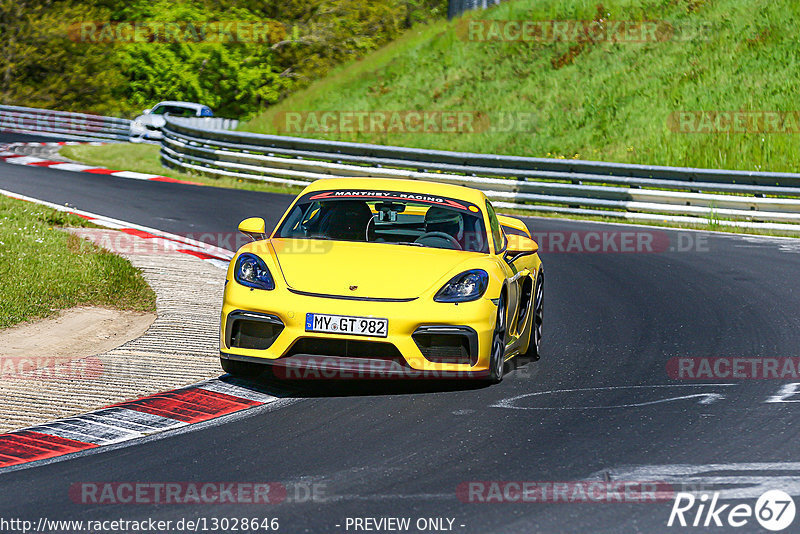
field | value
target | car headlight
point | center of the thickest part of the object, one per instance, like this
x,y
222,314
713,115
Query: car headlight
x,y
251,271
467,286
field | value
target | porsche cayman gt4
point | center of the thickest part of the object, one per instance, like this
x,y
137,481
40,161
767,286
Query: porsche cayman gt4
x,y
383,278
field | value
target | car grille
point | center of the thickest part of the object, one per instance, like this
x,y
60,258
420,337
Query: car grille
x,y
345,348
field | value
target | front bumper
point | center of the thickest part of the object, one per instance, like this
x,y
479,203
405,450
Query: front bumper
x,y
310,367
424,337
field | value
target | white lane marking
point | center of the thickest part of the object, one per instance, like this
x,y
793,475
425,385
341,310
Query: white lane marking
x,y
786,392
125,418
753,478
221,264
705,398
233,390
24,160
785,244
57,429
158,243
167,432
135,175
117,425
715,233
109,222
90,431
75,167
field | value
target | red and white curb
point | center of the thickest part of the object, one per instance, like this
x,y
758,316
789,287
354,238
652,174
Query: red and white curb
x,y
217,256
139,418
8,155
127,421
6,146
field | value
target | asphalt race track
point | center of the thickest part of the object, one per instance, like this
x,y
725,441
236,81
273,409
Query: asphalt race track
x,y
612,322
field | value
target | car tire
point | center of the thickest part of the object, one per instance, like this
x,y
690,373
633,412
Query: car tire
x,y
241,369
497,361
533,352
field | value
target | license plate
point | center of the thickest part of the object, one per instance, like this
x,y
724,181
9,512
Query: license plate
x,y
342,324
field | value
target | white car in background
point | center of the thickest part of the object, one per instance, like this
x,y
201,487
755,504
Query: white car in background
x,y
148,125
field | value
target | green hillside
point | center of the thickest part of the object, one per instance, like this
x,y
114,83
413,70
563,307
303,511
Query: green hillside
x,y
589,98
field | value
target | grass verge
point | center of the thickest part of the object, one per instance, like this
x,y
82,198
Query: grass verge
x,y
44,270
144,158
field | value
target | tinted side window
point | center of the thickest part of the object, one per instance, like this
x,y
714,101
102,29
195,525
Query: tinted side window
x,y
497,234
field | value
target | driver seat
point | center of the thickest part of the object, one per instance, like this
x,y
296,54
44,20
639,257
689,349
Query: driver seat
x,y
345,220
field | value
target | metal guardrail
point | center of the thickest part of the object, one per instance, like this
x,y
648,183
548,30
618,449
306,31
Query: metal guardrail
x,y
211,123
624,191
63,124
85,127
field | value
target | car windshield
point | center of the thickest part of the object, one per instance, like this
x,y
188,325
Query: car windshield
x,y
391,217
175,111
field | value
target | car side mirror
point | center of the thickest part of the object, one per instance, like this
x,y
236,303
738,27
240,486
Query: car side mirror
x,y
146,111
254,228
518,246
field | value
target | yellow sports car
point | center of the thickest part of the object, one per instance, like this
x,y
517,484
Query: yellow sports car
x,y
369,278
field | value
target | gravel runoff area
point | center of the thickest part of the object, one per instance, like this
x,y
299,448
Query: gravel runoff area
x,y
178,349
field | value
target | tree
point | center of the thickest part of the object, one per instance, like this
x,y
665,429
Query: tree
x,y
42,67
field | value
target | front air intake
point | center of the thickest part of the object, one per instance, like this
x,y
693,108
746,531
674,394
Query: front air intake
x,y
247,330
447,344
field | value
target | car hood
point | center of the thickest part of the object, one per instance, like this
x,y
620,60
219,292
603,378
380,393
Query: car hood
x,y
365,270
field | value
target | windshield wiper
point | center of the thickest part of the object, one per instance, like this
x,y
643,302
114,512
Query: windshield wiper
x,y
407,243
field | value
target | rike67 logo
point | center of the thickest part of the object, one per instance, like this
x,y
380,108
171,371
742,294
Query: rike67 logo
x,y
774,510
